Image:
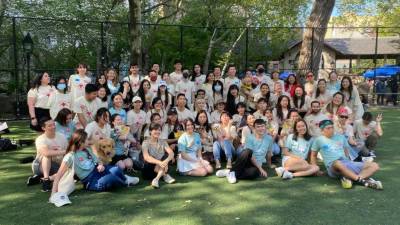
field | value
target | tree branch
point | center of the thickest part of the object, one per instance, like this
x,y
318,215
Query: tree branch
x,y
151,8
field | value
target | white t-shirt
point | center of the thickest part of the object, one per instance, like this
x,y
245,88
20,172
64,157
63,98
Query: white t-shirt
x,y
77,86
136,120
101,104
199,81
362,131
185,114
215,117
175,77
228,81
323,99
313,123
57,102
41,95
153,85
96,133
134,81
162,113
186,88
59,142
88,109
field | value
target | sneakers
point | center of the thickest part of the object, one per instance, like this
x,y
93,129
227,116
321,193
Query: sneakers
x,y
229,164
287,175
154,184
374,184
168,179
222,173
372,154
279,171
346,183
217,164
231,177
32,180
46,185
131,181
367,159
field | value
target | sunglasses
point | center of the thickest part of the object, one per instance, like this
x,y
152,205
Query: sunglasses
x,y
344,117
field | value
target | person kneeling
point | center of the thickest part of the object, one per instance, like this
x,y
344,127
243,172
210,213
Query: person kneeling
x,y
334,150
93,175
296,151
156,161
249,163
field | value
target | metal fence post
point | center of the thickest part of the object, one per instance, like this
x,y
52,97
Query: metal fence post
x,y
375,62
16,74
102,52
312,53
247,48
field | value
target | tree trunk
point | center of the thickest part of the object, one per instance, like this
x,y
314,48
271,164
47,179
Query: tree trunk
x,y
3,7
229,53
314,35
209,52
135,33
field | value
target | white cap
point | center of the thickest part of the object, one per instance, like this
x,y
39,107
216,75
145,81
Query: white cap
x,y
59,199
136,98
162,83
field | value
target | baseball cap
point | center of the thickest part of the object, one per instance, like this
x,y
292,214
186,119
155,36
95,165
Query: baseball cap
x,y
162,83
136,98
59,199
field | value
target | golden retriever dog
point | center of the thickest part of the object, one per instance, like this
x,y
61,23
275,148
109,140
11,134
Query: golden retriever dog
x,y
104,150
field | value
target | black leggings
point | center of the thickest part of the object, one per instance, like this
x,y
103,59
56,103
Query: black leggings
x,y
244,168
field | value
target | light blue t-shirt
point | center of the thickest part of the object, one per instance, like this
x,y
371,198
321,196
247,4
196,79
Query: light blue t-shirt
x,y
259,147
331,149
185,140
333,88
119,145
120,112
299,147
66,130
84,162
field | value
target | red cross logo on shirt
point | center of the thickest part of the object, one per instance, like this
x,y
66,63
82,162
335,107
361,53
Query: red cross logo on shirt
x,y
63,104
89,114
184,90
80,86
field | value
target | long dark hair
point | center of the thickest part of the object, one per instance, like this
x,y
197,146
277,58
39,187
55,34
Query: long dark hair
x,y
267,97
38,80
194,73
318,92
215,84
230,100
350,86
287,80
301,98
307,136
77,139
108,92
129,95
66,83
166,96
208,75
329,107
279,111
100,114
141,93
206,125
61,117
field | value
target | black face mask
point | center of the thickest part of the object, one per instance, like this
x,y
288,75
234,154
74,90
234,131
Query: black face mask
x,y
261,70
185,75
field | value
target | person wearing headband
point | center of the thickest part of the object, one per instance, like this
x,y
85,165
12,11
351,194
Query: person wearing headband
x,y
334,149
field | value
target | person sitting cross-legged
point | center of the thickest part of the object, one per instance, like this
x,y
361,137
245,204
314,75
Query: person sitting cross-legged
x,y
249,163
296,152
334,150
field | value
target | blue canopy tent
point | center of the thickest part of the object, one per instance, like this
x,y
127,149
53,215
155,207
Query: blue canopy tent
x,y
384,71
285,75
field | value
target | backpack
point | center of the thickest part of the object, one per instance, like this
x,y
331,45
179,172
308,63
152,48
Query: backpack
x,y
6,145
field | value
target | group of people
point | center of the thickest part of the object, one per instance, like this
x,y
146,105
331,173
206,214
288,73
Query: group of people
x,y
201,123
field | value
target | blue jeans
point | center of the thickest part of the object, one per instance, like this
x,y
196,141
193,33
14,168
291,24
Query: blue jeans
x,y
226,146
111,177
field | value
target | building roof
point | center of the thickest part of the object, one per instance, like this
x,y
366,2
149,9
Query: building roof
x,y
361,46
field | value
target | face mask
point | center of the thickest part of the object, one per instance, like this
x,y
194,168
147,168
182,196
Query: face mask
x,y
260,70
153,78
217,88
185,75
61,87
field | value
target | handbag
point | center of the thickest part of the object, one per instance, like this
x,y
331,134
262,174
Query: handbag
x,y
67,182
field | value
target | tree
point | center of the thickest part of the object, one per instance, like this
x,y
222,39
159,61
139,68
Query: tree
x,y
314,35
135,33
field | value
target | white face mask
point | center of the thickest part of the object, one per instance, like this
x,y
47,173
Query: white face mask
x,y
217,88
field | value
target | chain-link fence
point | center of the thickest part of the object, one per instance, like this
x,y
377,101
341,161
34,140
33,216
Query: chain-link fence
x,y
59,45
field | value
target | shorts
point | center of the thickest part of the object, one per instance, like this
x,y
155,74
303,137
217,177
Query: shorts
x,y
36,165
355,167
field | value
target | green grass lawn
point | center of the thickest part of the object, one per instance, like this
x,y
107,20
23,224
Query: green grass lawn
x,y
210,200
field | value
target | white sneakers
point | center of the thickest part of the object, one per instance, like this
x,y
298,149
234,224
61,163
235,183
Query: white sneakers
x,y
230,175
168,179
284,174
131,181
222,173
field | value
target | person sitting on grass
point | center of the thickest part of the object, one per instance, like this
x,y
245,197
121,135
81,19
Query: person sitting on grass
x,y
367,132
296,152
91,172
249,163
190,161
157,155
50,148
334,150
